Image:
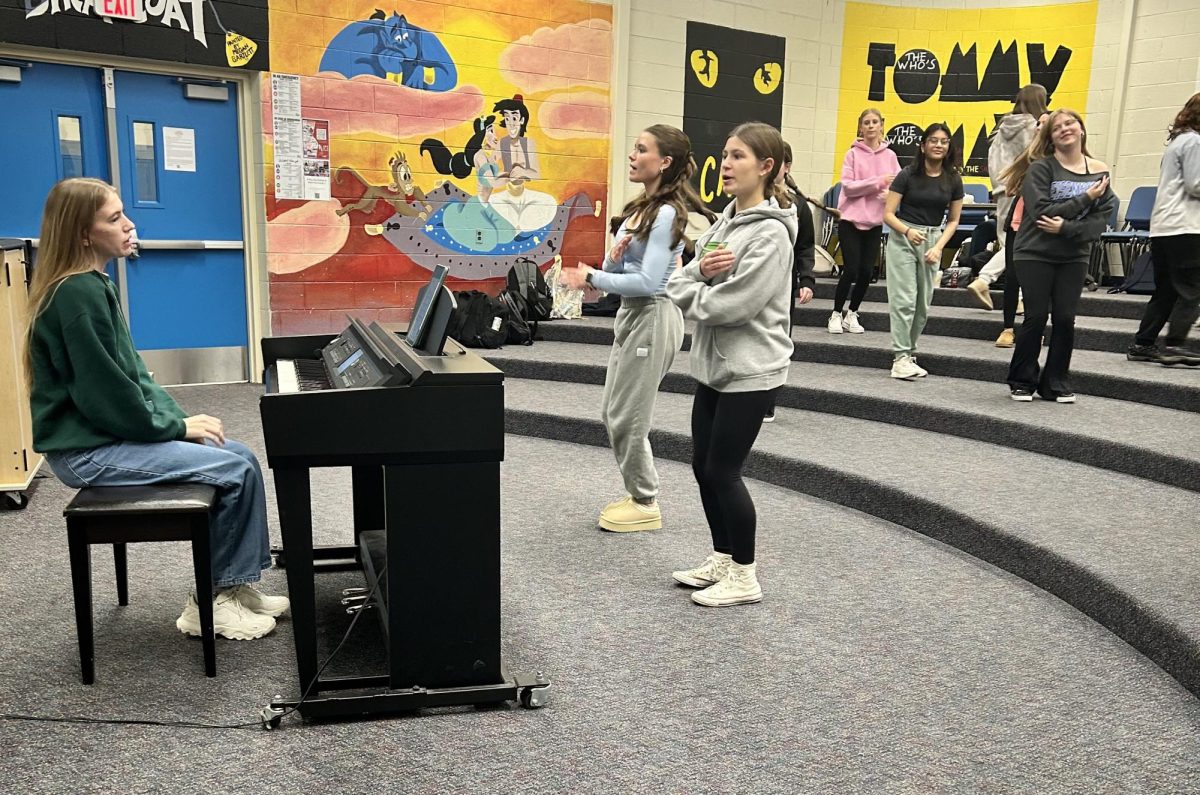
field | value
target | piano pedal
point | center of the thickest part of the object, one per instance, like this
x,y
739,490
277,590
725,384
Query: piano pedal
x,y
352,609
354,592
354,600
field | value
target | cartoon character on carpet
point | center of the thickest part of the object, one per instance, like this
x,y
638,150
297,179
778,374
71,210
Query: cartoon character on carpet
x,y
474,224
402,194
391,48
527,210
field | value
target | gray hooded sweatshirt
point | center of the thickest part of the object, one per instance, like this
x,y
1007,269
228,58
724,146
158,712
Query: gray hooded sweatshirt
x,y
1014,132
741,341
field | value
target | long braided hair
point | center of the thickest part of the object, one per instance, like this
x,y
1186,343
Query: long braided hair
x,y
674,189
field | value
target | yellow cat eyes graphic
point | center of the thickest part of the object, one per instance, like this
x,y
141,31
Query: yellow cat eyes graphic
x,y
768,77
704,66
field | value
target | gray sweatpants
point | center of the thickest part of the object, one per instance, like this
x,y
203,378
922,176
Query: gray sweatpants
x,y
648,332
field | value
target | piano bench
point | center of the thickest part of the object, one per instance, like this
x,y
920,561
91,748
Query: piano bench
x,y
121,515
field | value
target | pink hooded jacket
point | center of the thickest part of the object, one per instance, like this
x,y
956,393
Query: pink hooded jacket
x,y
861,202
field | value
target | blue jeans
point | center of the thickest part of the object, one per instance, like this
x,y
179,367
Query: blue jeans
x,y
240,545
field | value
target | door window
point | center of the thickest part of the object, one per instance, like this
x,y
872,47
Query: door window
x,y
70,147
145,163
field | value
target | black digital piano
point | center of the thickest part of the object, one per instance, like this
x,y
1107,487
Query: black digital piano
x,y
424,438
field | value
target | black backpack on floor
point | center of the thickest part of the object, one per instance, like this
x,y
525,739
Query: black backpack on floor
x,y
1140,279
517,329
477,321
527,287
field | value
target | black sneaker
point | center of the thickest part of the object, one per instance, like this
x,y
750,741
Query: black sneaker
x,y
1021,395
1143,353
1171,354
769,417
1064,397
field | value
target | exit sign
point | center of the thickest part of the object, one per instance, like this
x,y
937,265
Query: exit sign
x,y
121,9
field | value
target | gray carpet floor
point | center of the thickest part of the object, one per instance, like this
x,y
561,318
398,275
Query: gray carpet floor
x,y
880,661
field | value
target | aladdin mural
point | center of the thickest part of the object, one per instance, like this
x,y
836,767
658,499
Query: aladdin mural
x,y
457,137
919,66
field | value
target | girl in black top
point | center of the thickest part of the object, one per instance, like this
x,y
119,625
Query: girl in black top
x,y
1067,206
920,196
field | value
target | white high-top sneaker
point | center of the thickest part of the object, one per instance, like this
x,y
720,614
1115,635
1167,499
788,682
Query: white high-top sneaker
x,y
834,324
739,587
850,323
904,367
711,571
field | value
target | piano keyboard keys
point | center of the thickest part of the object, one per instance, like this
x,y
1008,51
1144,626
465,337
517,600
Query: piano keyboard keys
x,y
302,375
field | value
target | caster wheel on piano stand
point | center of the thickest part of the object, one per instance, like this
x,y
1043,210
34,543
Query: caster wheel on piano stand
x,y
534,697
270,717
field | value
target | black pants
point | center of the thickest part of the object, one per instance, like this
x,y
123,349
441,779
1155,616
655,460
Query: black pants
x,y
1051,291
724,427
1176,289
860,254
1012,283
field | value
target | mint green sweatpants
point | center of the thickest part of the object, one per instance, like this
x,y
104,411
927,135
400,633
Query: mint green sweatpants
x,y
909,287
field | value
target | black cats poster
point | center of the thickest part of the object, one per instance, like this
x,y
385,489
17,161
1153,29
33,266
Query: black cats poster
x,y
732,76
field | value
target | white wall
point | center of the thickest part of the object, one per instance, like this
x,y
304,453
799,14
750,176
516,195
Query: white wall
x,y
1163,65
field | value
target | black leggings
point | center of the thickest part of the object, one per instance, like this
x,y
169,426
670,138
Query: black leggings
x,y
1012,284
724,427
860,254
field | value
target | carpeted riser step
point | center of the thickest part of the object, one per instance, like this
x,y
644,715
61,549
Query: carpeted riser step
x,y
1171,396
966,422
1090,305
985,327
1156,638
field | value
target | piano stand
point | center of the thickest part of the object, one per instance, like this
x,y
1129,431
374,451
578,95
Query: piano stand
x,y
531,691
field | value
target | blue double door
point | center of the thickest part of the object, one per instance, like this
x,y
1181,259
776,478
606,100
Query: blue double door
x,y
172,145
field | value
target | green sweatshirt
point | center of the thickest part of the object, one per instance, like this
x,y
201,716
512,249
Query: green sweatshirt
x,y
90,387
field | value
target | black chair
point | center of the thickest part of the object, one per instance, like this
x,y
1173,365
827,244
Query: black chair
x,y
121,515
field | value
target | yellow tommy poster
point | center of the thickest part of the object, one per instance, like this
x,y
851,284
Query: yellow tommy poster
x,y
958,66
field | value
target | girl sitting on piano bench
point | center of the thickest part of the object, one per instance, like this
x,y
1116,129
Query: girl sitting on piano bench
x,y
101,420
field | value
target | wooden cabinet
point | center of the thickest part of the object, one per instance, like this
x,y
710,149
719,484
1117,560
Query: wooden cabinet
x,y
18,462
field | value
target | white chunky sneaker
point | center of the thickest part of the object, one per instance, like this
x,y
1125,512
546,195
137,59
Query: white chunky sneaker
x,y
231,619
921,371
739,587
904,367
711,571
262,603
834,325
850,323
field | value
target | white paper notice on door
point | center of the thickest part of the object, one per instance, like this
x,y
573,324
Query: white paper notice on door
x,y
179,149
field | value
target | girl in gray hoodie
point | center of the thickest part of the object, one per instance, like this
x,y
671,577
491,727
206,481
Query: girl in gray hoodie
x,y
738,292
1013,135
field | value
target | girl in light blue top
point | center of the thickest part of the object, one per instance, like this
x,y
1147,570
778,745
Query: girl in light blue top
x,y
649,237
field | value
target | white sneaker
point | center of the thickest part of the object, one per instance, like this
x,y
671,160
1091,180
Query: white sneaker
x,y
921,371
850,323
834,326
904,367
739,587
231,619
710,572
262,603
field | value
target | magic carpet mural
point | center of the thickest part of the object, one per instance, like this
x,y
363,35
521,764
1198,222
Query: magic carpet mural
x,y
958,66
457,135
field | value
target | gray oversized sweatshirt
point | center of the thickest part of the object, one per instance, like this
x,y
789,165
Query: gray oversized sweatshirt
x,y
1177,203
741,341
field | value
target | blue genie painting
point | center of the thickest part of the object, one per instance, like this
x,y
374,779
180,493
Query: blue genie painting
x,y
392,48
